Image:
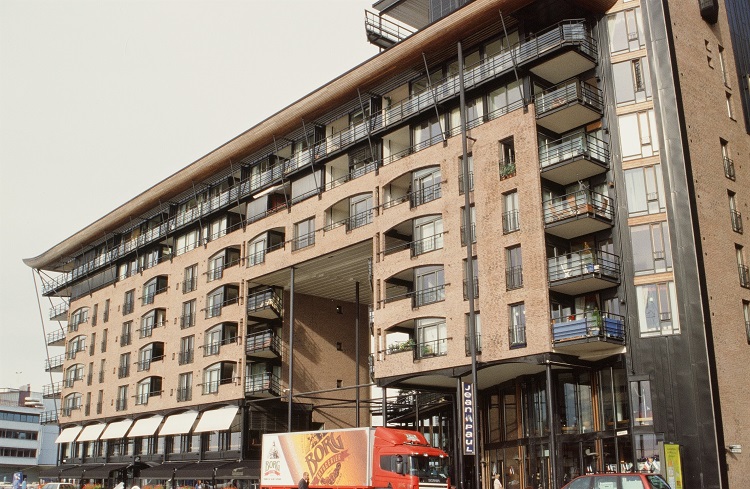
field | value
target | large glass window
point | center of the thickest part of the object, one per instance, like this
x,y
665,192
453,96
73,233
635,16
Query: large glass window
x,y
638,135
256,251
190,280
428,234
304,234
185,387
426,186
645,190
187,346
513,268
517,325
510,212
187,319
640,403
625,31
430,283
651,248
504,99
427,133
632,80
657,309
431,337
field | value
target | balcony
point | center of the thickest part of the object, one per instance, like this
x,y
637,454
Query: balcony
x,y
185,357
382,32
52,391
263,344
736,221
583,271
573,158
568,105
577,214
67,411
468,346
263,385
431,348
589,333
59,312
563,52
49,417
54,364
265,304
56,338
184,394
729,168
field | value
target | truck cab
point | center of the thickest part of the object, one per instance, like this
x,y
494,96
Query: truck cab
x,y
404,460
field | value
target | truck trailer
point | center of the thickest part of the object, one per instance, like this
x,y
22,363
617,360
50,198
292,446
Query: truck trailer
x,y
356,458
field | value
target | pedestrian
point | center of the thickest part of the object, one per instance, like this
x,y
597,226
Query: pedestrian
x,y
23,483
304,482
199,484
497,484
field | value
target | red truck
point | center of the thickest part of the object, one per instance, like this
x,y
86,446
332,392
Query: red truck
x,y
357,458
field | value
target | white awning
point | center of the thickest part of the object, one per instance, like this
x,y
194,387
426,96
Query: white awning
x,y
117,429
145,426
69,434
178,424
216,419
91,432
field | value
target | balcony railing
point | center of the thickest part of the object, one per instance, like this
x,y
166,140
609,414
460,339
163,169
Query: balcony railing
x,y
71,380
511,222
425,245
573,158
189,285
121,404
211,349
568,105
517,335
426,194
149,297
123,371
729,168
581,263
215,310
262,383
263,341
588,325
578,213
400,346
187,321
52,390
461,182
54,363
423,297
476,288
382,32
56,336
744,276
58,311
432,348
359,220
128,306
736,221
48,417
144,364
264,299
185,357
217,271
513,278
303,241
468,346
184,394
125,339
68,410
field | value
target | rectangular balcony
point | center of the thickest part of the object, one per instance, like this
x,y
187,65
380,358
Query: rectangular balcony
x,y
263,385
59,312
431,348
583,271
563,52
265,304
382,32
577,214
56,338
589,333
54,364
49,417
52,391
263,344
568,105
573,158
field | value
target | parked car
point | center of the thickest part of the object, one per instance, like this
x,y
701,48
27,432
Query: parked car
x,y
618,481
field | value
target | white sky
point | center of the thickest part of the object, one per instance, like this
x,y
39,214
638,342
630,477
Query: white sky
x,y
101,99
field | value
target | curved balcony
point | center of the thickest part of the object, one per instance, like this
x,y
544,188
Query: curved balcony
x,y
583,271
263,384
589,334
568,105
573,158
577,214
263,344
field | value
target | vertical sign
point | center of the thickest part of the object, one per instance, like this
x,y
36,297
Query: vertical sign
x,y
468,409
671,466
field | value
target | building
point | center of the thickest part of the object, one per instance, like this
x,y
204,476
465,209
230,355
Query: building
x,y
26,445
602,304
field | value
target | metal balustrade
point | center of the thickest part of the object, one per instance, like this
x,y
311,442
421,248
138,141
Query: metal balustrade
x,y
589,324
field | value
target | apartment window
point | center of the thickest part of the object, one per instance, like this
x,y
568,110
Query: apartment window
x,y
104,340
645,191
187,242
150,353
90,375
513,268
152,319
146,388
75,345
638,135
504,99
256,251
428,234
123,370
99,401
730,108
746,312
79,316
72,374
472,228
187,347
224,259
507,158
190,279
736,216
218,298
742,267
126,334
432,338
105,314
517,325
360,211
427,133
461,183
122,398
475,272
92,345
129,302
728,162
625,31
72,402
640,403
651,248
477,331
430,283
304,234
187,320
632,80
426,186
95,315
102,366
156,285
723,66
185,387
220,334
211,379
657,309
510,212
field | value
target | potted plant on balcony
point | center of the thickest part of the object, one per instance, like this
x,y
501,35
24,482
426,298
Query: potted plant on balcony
x,y
595,323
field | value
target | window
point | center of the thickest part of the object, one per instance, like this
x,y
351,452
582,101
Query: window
x,y
104,340
472,229
730,109
431,337
517,325
651,248
152,319
645,191
734,213
187,242
360,211
99,401
125,335
742,267
105,314
728,162
211,377
507,158
102,366
632,80
187,320
427,133
123,370
190,279
657,307
94,315
226,258
129,302
220,334
625,31
430,283
256,251
122,398
504,99
513,268
425,186
72,402
73,374
510,212
218,298
152,352
638,135
304,234
475,272
723,66
79,316
640,399
461,182
156,285
746,312
428,234
477,331
74,346
147,388
92,344
185,387
187,346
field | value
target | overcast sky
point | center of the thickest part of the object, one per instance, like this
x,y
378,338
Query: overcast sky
x,y
100,99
